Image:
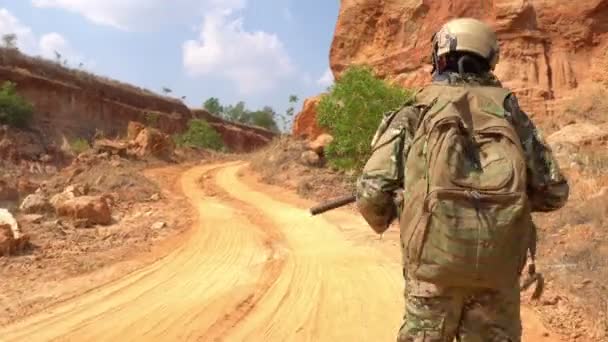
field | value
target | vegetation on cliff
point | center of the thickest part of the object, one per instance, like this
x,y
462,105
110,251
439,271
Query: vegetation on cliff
x,y
14,109
200,135
351,112
266,117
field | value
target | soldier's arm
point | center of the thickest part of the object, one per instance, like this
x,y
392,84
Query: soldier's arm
x,y
548,189
382,175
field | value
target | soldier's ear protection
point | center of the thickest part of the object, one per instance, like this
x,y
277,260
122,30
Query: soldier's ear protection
x,y
434,48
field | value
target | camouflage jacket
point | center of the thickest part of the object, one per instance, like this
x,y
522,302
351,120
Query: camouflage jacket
x,y
383,174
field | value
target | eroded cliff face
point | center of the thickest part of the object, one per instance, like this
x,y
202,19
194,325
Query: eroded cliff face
x,y
549,48
305,124
238,137
71,103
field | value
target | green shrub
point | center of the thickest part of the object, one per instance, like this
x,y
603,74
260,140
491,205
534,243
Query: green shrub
x,y
352,111
79,146
14,109
152,119
200,135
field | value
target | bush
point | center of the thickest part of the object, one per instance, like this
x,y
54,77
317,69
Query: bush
x,y
152,119
352,111
79,146
200,135
14,109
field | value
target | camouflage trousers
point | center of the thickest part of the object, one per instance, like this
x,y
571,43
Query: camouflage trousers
x,y
436,314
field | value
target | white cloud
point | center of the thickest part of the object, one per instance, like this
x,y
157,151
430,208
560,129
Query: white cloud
x,y
9,24
255,61
29,43
139,14
327,79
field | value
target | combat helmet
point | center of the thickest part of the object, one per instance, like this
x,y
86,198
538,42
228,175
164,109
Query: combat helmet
x,y
466,35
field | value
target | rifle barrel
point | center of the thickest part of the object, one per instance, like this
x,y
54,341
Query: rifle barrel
x,y
333,204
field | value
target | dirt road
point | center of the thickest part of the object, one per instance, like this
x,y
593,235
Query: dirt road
x,y
255,268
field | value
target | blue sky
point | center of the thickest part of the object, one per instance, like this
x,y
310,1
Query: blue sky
x,y
258,51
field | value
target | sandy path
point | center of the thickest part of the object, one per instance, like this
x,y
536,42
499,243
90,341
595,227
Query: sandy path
x,y
256,268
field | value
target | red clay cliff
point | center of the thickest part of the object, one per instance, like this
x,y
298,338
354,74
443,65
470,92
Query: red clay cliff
x,y
75,104
550,49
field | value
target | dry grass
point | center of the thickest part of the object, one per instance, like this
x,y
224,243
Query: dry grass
x,y
279,163
588,104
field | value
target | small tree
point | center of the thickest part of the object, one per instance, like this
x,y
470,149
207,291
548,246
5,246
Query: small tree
x,y
166,90
237,113
9,41
265,118
352,111
14,109
57,57
213,106
200,135
288,117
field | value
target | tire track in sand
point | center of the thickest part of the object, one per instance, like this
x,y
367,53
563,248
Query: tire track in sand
x,y
253,269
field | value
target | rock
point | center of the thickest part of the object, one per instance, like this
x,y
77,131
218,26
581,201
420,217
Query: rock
x,y
7,241
46,158
26,187
8,192
305,124
541,58
11,238
108,146
310,158
133,129
158,226
35,203
115,163
152,142
50,169
155,198
578,134
67,194
33,218
320,143
91,209
7,218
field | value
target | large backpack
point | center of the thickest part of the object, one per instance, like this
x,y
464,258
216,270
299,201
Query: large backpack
x,y
466,219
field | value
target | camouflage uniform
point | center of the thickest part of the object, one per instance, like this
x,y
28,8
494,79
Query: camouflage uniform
x,y
433,312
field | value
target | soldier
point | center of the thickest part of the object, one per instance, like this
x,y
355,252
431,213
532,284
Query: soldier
x,y
473,168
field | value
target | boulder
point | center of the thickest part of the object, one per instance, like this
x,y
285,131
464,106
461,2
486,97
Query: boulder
x,y
90,209
32,218
152,142
320,143
35,204
68,193
133,129
310,158
11,238
108,146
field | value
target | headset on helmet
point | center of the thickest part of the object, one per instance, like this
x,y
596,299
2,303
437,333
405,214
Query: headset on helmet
x,y
466,35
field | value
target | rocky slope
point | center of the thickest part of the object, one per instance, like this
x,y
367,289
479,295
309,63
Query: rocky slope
x,y
549,48
71,103
305,124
